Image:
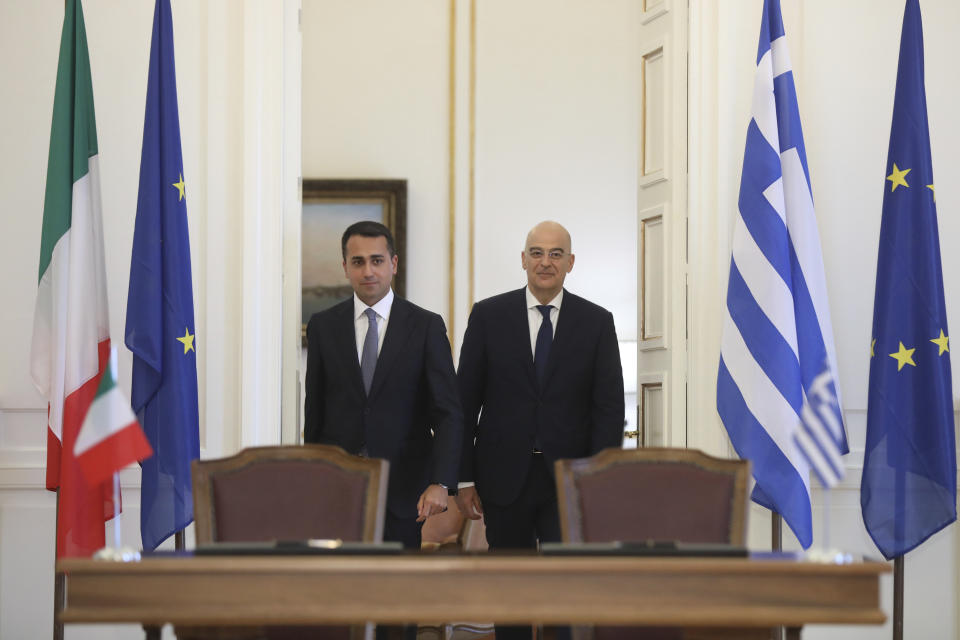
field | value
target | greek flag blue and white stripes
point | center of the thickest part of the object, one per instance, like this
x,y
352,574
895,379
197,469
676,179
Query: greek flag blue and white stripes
x,y
777,389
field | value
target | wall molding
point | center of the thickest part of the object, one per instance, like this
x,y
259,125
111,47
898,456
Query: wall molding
x,y
462,177
452,172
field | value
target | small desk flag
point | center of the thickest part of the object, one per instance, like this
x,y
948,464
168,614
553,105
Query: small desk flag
x,y
110,438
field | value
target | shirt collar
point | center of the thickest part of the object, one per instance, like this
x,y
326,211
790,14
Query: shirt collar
x,y
533,302
381,308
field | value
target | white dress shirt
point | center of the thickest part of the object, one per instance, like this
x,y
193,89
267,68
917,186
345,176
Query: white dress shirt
x,y
535,318
361,324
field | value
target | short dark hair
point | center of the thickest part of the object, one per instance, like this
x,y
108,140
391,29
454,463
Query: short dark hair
x,y
367,229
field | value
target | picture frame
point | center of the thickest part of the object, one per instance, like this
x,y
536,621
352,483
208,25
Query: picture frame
x,y
329,207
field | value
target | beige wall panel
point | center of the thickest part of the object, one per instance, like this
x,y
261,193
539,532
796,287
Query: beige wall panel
x,y
656,101
652,9
652,266
652,414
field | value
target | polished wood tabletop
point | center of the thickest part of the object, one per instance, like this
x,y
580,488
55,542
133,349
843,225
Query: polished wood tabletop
x,y
250,590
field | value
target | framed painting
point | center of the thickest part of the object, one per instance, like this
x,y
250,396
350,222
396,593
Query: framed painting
x,y
329,207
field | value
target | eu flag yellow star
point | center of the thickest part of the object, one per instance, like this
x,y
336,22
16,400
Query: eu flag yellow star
x,y
903,356
187,340
898,177
873,343
942,342
181,186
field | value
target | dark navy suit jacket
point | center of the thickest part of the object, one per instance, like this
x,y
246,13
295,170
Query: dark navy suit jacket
x,y
412,417
578,411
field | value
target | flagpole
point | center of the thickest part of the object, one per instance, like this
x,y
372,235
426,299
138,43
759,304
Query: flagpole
x,y
776,545
776,529
898,598
116,504
900,483
826,519
59,593
114,367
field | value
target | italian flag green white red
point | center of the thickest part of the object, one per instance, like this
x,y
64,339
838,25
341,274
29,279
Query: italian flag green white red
x,y
71,334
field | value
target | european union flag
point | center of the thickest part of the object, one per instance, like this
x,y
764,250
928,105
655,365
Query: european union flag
x,y
909,485
160,330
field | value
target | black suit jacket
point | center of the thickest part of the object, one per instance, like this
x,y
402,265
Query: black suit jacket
x,y
412,417
578,412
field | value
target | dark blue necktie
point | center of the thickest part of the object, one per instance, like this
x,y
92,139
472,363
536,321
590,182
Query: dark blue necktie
x,y
544,340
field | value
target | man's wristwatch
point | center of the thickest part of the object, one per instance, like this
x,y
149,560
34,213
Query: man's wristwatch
x,y
450,492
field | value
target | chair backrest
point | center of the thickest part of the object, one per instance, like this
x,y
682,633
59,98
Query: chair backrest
x,y
289,493
680,495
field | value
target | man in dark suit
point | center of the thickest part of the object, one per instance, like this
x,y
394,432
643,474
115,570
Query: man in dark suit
x,y
380,383
540,379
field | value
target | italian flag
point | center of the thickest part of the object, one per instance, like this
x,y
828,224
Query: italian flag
x,y
71,334
110,437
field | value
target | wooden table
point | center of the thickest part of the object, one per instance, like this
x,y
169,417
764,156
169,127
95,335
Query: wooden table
x,y
689,592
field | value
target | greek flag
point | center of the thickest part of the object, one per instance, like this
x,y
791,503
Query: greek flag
x,y
777,391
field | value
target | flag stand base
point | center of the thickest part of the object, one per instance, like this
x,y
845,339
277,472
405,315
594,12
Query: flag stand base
x,y
118,554
828,556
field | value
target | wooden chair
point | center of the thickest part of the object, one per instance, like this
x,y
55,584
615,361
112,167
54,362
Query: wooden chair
x,y
288,493
680,495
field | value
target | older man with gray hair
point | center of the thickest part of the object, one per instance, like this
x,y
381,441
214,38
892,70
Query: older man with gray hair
x,y
540,379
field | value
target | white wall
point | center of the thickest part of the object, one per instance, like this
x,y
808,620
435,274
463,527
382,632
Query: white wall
x,y
556,132
557,135
375,106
